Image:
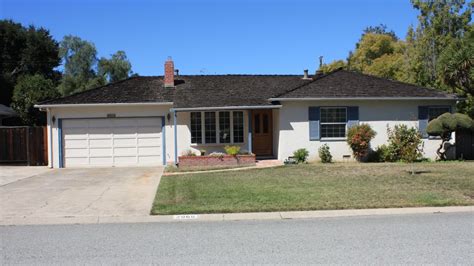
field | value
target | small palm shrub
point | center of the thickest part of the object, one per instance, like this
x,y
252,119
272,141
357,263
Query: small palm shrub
x,y
325,154
301,155
358,138
232,150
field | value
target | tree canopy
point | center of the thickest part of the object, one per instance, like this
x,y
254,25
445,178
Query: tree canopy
x,y
25,51
30,90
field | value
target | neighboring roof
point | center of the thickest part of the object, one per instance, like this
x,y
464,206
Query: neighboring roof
x,y
247,90
6,111
131,90
348,84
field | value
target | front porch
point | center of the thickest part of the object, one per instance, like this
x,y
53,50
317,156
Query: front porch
x,y
207,131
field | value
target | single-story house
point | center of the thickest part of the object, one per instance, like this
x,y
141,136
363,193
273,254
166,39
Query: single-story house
x,y
153,120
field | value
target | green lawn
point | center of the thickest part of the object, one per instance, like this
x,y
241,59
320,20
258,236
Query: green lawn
x,y
317,187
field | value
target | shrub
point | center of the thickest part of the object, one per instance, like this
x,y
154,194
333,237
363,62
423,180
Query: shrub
x,y
382,153
301,155
444,125
325,154
188,152
232,150
404,144
359,138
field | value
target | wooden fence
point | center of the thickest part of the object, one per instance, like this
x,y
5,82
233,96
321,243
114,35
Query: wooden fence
x,y
27,145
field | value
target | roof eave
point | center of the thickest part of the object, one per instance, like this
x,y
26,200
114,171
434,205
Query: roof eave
x,y
244,107
101,104
363,98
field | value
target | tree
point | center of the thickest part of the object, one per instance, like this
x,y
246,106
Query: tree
x,y
116,68
79,59
370,47
440,23
380,29
25,51
444,125
30,90
326,68
457,70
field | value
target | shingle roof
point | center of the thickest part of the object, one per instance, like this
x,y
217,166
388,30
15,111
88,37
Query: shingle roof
x,y
348,84
247,90
233,90
131,90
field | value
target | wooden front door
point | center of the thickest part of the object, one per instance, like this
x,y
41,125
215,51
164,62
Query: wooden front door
x,y
262,132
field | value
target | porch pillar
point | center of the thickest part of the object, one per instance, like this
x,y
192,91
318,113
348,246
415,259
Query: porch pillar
x,y
250,131
175,138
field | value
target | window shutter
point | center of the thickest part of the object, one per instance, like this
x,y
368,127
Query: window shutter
x,y
314,113
423,120
352,116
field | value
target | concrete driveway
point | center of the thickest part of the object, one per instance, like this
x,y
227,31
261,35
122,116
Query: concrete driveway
x,y
42,192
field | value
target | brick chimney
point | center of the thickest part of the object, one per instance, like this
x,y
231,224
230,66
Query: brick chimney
x,y
169,72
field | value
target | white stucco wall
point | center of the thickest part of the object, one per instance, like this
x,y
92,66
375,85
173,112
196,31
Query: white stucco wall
x,y
294,125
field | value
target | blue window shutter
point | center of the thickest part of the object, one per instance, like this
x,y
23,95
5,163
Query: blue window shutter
x,y
423,120
314,113
352,116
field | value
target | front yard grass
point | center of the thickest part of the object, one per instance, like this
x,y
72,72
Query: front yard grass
x,y
317,187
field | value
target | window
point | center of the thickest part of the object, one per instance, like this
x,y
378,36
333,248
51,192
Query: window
x,y
333,122
434,112
217,127
196,127
224,127
238,124
210,127
256,121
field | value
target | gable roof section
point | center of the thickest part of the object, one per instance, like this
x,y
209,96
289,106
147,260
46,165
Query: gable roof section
x,y
348,84
131,90
202,91
233,90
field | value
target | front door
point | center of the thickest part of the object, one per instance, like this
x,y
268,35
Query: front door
x,y
262,132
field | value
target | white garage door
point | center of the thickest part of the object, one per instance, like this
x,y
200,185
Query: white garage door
x,y
112,142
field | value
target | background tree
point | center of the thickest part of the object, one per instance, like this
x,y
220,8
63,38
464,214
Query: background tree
x,y
457,70
30,90
79,58
326,68
25,51
445,125
440,22
118,67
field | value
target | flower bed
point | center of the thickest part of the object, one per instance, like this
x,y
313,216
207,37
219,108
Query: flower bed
x,y
190,162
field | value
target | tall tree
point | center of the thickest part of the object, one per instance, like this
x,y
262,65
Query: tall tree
x,y
116,68
29,90
25,51
440,23
79,59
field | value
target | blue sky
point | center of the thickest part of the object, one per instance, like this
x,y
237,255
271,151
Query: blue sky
x,y
216,37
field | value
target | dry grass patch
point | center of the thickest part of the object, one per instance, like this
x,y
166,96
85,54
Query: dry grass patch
x,y
318,187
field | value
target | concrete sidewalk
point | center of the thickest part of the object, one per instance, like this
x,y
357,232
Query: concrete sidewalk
x,y
231,216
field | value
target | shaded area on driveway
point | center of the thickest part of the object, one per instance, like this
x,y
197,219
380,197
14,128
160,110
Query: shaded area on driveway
x,y
81,192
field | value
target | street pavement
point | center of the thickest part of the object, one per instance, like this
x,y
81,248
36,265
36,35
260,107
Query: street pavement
x,y
439,238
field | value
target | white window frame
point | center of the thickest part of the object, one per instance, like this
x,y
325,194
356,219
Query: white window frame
x,y
321,123
203,127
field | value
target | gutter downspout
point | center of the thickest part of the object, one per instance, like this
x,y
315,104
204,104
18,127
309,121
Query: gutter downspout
x,y
51,163
175,138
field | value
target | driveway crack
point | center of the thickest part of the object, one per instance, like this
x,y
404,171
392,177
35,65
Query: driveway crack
x,y
94,201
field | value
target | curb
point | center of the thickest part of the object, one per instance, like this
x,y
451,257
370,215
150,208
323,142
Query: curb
x,y
230,216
